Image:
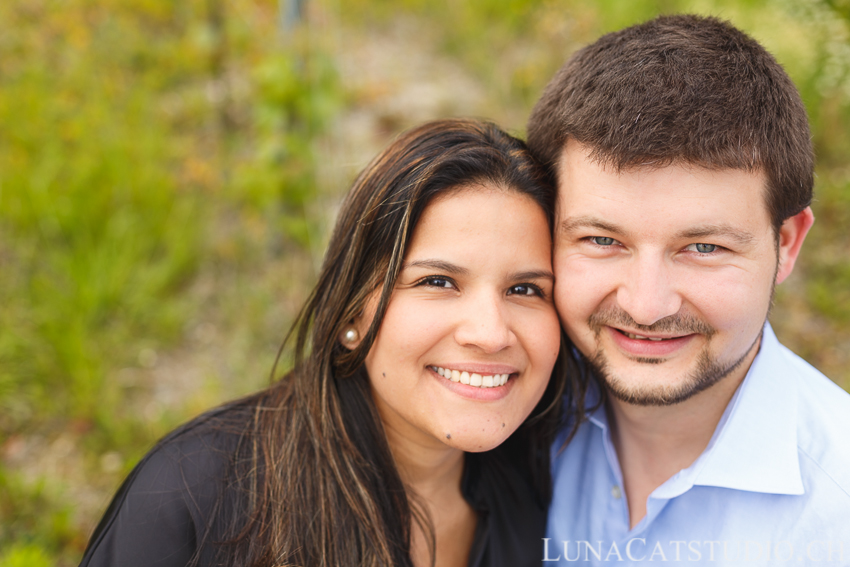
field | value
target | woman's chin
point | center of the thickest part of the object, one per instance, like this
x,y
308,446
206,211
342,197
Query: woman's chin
x,y
477,441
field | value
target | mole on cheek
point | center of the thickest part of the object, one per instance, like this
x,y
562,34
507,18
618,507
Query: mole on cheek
x,y
448,435
384,374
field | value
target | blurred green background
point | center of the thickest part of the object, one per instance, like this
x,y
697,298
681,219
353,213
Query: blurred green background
x,y
169,171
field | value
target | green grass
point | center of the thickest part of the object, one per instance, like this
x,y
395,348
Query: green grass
x,y
123,151
23,555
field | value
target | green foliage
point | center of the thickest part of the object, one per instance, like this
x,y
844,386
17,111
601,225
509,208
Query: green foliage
x,y
101,231
131,131
36,517
296,96
25,556
489,36
829,269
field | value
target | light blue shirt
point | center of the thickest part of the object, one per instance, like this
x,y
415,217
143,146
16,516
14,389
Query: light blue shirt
x,y
771,488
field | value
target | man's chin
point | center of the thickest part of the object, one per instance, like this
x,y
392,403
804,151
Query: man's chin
x,y
652,395
706,373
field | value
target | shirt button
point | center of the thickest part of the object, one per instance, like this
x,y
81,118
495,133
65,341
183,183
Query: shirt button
x,y
616,492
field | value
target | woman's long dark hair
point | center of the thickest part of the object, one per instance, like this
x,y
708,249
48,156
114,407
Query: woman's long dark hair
x,y
316,482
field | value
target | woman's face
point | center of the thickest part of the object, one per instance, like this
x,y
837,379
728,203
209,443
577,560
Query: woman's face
x,y
470,335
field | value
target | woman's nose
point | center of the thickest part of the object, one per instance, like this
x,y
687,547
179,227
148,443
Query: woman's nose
x,y
483,323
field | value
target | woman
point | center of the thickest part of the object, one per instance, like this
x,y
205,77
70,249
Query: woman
x,y
430,337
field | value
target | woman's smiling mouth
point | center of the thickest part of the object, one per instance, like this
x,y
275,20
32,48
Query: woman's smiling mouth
x,y
472,378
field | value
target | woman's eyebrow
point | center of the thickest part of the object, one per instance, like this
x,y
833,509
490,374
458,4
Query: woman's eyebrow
x,y
449,268
439,265
533,275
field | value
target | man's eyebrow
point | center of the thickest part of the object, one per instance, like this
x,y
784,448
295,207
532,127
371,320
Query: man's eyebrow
x,y
438,265
714,230
571,224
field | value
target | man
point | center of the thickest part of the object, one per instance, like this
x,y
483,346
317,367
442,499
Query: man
x,y
684,167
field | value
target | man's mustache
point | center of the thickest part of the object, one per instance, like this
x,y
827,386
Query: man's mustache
x,y
678,324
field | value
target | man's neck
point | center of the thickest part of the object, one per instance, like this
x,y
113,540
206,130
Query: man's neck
x,y
653,443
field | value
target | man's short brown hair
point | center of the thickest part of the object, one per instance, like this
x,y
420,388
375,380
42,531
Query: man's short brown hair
x,y
681,89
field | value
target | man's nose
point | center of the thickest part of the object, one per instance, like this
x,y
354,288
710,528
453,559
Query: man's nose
x,y
648,292
483,323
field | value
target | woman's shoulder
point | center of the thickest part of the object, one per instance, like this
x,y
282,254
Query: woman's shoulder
x,y
165,506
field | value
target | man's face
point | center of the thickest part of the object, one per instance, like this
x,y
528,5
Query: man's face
x,y
664,276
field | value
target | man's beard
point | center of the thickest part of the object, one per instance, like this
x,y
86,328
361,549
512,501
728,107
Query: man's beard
x,y
708,369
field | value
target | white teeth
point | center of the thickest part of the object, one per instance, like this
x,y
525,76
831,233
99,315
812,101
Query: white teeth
x,y
472,379
642,338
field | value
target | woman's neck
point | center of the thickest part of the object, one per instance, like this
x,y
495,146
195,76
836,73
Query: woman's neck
x,y
432,472
429,468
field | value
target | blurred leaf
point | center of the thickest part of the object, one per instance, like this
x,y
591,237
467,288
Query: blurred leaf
x,y
21,555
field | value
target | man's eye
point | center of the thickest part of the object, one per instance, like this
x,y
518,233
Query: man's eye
x,y
703,248
603,240
525,289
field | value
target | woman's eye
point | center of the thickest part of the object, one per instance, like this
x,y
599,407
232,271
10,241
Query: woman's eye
x,y
525,289
702,248
602,240
435,281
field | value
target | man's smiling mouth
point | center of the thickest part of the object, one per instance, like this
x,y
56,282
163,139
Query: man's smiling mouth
x,y
678,326
635,336
650,345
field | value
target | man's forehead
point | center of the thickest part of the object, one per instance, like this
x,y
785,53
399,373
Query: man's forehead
x,y
574,152
704,199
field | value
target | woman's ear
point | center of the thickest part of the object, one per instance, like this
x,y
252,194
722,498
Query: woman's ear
x,y
350,337
353,333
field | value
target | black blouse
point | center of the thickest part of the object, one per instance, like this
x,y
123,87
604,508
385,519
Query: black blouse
x,y
161,512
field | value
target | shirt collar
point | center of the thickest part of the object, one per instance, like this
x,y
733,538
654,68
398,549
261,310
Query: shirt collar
x,y
754,446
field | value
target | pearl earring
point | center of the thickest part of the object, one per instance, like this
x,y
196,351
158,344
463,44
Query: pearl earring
x,y
351,336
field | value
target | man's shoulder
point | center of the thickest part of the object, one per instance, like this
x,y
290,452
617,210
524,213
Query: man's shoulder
x,y
823,422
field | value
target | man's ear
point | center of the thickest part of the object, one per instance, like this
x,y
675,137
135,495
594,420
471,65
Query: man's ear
x,y
792,233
